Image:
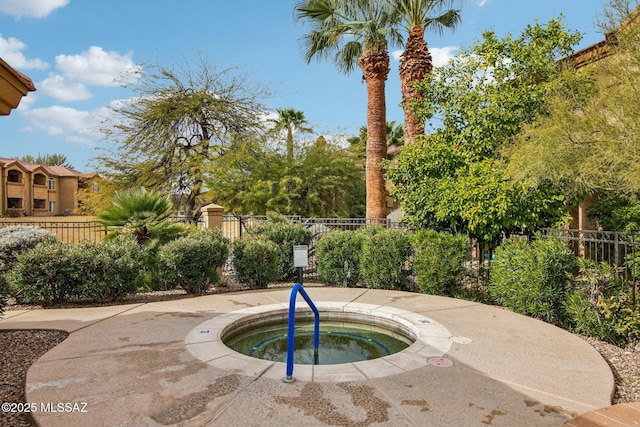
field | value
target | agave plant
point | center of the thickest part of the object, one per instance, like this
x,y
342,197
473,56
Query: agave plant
x,y
144,214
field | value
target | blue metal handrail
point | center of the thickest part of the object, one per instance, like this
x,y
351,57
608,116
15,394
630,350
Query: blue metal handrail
x,y
297,288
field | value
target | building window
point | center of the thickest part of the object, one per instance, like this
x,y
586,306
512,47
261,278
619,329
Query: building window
x,y
96,187
52,184
14,176
39,179
52,206
39,204
14,203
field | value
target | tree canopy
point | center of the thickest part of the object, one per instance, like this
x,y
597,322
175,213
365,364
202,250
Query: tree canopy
x,y
357,33
589,143
184,120
323,181
415,17
54,159
454,178
288,121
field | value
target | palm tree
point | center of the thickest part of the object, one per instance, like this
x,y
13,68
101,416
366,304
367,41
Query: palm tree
x,y
144,214
357,32
414,16
289,120
394,140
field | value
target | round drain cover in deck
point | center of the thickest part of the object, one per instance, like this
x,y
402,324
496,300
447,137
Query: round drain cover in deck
x,y
440,362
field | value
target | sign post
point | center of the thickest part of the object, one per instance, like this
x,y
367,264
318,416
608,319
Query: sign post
x,y
300,259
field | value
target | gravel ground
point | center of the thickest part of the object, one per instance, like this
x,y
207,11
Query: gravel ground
x,y
21,348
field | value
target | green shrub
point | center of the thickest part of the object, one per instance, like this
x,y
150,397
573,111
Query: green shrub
x,y
17,239
285,235
191,262
601,306
533,278
621,315
54,271
583,316
114,268
256,262
336,249
384,260
46,274
438,261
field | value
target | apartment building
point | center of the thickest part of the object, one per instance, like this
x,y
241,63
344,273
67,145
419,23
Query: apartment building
x,y
28,189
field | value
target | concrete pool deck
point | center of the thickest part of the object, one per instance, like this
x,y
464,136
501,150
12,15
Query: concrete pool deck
x,y
131,365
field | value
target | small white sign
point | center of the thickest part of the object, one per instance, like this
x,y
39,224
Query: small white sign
x,y
301,256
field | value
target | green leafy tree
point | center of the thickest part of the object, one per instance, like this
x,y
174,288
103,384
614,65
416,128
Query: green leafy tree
x,y
415,17
92,202
55,159
589,144
357,32
455,177
618,212
143,214
289,120
183,122
323,181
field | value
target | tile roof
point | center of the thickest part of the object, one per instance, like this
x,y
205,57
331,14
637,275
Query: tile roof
x,y
58,171
26,81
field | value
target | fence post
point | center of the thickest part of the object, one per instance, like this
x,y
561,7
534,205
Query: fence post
x,y
212,215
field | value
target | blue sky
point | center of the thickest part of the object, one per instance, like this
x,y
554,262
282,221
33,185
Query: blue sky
x,y
74,49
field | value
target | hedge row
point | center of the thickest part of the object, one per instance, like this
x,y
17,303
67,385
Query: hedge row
x,y
53,271
375,257
539,278
388,259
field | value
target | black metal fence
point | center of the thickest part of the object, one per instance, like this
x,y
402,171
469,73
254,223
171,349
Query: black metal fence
x,y
67,231
235,227
620,251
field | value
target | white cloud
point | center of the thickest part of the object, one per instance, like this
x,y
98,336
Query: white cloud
x,y
480,2
56,86
27,101
97,67
32,8
11,51
76,125
442,55
439,55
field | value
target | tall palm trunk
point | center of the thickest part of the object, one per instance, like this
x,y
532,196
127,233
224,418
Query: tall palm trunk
x,y
290,144
415,63
375,68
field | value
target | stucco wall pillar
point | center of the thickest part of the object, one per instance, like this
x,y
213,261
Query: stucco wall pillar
x,y
212,215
